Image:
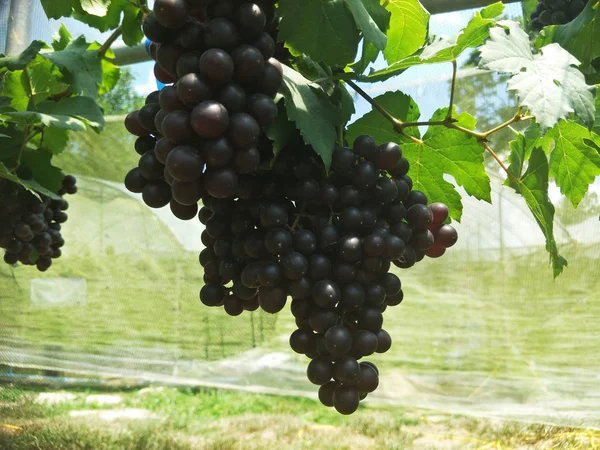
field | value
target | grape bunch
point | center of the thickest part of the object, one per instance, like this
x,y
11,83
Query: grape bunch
x,y
555,12
30,227
203,131
327,241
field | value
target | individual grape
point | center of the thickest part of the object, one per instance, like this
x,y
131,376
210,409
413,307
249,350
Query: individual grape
x,y
262,108
326,392
134,126
329,194
446,236
243,131
188,193
191,90
350,248
320,371
159,119
191,35
217,152
251,20
246,160
364,343
270,79
168,99
249,63
167,57
295,265
346,370
243,292
171,13
368,379
155,31
365,146
272,300
353,296
374,294
273,215
183,212
419,216
185,163
144,144
162,149
387,156
343,160
209,119
270,274
391,284
162,75
233,97
186,64
435,251
221,183
326,293
156,194
176,127
302,340
322,320
266,45
221,33
364,175
414,198
374,245
338,341
233,305
422,240
278,241
384,341
305,242
134,181
345,399
212,294
216,66
369,319
150,167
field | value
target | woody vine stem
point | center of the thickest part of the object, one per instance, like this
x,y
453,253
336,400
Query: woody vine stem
x,y
449,122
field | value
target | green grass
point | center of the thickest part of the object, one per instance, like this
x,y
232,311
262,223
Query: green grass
x,y
213,419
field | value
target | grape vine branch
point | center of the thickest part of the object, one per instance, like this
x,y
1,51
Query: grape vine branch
x,y
449,122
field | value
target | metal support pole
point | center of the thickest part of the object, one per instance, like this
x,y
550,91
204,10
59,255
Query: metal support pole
x,y
126,56
443,6
19,26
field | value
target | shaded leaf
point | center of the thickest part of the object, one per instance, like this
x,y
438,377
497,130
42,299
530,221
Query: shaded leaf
x,y
61,39
533,186
55,140
330,35
281,131
366,23
83,108
20,61
14,87
308,105
573,163
45,175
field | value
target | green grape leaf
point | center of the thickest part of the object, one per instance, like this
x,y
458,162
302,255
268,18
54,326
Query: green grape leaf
x,y
548,84
408,29
445,50
580,37
445,151
400,105
368,56
342,97
82,108
475,34
8,175
45,175
315,116
573,163
32,117
61,39
379,13
14,87
95,7
55,9
330,35
132,24
533,186
82,69
54,140
45,80
110,76
281,131
366,23
19,62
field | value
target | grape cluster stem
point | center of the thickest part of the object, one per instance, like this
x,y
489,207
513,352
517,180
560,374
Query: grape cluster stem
x,y
448,122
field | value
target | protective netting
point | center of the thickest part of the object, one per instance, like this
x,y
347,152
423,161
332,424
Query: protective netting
x,y
483,331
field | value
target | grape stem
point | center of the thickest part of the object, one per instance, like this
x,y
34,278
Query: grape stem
x,y
448,122
298,217
110,41
452,89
